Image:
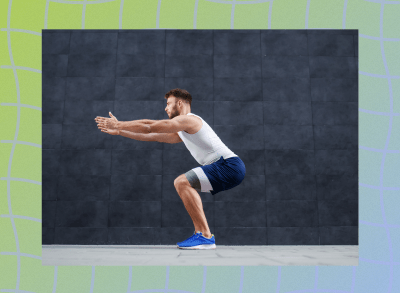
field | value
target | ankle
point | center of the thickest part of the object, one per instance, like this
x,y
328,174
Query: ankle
x,y
206,235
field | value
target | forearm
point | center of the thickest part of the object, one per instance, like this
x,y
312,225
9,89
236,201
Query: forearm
x,y
134,126
136,136
147,121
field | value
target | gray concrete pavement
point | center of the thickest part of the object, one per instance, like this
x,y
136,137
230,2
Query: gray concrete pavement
x,y
170,255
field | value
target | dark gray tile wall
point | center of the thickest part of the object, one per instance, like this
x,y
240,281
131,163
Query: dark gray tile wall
x,y
285,101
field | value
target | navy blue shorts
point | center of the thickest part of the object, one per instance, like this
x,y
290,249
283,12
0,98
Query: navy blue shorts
x,y
218,176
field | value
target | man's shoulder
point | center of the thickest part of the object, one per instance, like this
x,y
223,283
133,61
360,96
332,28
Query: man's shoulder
x,y
186,118
191,123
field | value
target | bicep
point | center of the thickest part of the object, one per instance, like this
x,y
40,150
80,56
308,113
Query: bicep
x,y
174,125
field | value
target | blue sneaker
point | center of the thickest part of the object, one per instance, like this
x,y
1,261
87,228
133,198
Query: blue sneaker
x,y
194,234
198,241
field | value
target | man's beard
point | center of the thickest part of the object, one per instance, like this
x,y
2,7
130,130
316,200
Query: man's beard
x,y
174,113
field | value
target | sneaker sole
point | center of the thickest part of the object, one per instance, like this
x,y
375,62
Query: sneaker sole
x,y
203,246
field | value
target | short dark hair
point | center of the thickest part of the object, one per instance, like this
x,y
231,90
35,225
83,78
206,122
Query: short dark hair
x,y
180,94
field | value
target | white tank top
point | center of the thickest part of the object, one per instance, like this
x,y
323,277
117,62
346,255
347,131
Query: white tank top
x,y
205,145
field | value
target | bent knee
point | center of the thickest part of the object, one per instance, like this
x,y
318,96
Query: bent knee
x,y
181,180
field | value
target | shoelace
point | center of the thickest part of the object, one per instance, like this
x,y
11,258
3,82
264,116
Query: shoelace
x,y
195,238
198,235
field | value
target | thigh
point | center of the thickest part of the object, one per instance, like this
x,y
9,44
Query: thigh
x,y
225,174
198,180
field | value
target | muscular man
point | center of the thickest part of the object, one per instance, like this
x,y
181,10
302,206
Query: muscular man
x,y
221,169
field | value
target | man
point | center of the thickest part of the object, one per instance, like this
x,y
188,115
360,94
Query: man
x,y
221,169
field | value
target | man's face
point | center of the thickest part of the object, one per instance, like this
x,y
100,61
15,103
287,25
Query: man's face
x,y
172,109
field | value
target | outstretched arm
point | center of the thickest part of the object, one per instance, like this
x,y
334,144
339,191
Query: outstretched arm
x,y
138,126
134,126
179,123
136,136
174,125
159,137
